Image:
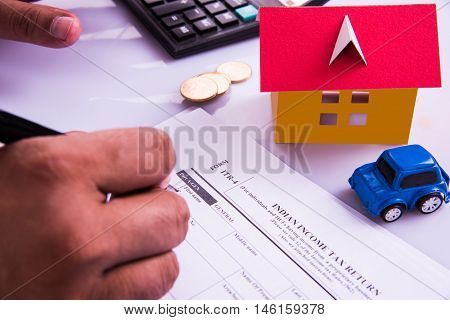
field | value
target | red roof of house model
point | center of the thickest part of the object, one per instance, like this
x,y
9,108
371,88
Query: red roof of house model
x,y
399,44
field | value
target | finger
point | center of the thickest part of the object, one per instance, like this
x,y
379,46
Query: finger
x,y
38,24
120,161
164,183
143,225
149,278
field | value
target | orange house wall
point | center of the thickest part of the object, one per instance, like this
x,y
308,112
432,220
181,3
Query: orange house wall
x,y
389,112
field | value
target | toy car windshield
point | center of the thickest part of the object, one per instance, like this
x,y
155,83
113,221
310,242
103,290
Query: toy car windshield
x,y
386,170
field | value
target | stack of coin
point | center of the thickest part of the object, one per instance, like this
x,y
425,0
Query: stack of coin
x,y
209,85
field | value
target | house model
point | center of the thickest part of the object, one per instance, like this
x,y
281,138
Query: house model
x,y
347,74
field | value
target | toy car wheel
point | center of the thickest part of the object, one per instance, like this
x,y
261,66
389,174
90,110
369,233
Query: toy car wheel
x,y
392,213
430,203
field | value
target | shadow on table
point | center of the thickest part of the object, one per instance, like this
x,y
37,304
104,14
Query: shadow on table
x,y
211,106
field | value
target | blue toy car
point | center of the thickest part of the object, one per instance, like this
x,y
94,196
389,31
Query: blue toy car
x,y
401,178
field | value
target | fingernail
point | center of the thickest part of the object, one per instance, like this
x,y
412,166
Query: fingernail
x,y
165,183
60,27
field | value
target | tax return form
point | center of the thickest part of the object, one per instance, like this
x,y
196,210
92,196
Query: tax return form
x,y
259,230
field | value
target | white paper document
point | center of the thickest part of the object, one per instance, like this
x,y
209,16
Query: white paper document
x,y
258,230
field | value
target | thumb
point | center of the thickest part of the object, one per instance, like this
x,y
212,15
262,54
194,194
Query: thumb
x,y
38,24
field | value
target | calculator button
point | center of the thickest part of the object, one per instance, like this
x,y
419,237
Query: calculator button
x,y
247,13
226,19
183,32
194,14
151,3
205,25
172,7
172,21
233,4
202,2
215,7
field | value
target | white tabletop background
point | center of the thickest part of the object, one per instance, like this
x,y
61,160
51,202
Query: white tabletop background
x,y
107,79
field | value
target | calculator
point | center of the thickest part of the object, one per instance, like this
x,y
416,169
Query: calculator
x,y
185,27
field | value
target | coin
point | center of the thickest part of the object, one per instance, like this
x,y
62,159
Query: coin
x,y
237,71
221,79
198,89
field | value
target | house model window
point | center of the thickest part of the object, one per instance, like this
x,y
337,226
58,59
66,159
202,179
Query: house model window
x,y
330,97
358,119
360,97
328,119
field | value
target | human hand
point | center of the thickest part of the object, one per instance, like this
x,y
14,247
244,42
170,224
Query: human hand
x,y
60,240
38,24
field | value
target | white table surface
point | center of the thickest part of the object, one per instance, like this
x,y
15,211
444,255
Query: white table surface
x,y
110,76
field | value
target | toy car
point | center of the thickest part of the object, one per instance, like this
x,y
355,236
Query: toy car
x,y
401,178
